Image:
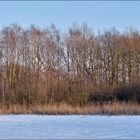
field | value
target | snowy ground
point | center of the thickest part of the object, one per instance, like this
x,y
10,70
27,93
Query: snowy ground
x,y
70,127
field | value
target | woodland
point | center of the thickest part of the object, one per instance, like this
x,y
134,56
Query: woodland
x,y
45,70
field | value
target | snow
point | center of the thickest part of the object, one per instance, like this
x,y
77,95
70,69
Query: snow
x,y
69,127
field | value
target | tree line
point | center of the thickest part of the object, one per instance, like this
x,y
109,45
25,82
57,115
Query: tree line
x,y
39,66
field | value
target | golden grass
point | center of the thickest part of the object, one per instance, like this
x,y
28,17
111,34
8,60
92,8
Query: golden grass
x,y
61,109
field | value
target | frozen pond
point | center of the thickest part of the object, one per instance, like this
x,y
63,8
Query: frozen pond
x,y
70,127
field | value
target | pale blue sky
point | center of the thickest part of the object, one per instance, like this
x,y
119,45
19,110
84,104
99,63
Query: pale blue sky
x,y
99,15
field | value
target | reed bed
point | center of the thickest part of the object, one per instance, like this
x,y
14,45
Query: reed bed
x,y
116,108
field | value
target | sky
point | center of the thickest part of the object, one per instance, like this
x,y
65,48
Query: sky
x,y
98,14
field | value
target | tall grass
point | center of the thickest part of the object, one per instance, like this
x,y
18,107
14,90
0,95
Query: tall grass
x,y
115,108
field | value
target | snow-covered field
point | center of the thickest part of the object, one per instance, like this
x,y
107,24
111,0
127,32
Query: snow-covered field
x,y
70,127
